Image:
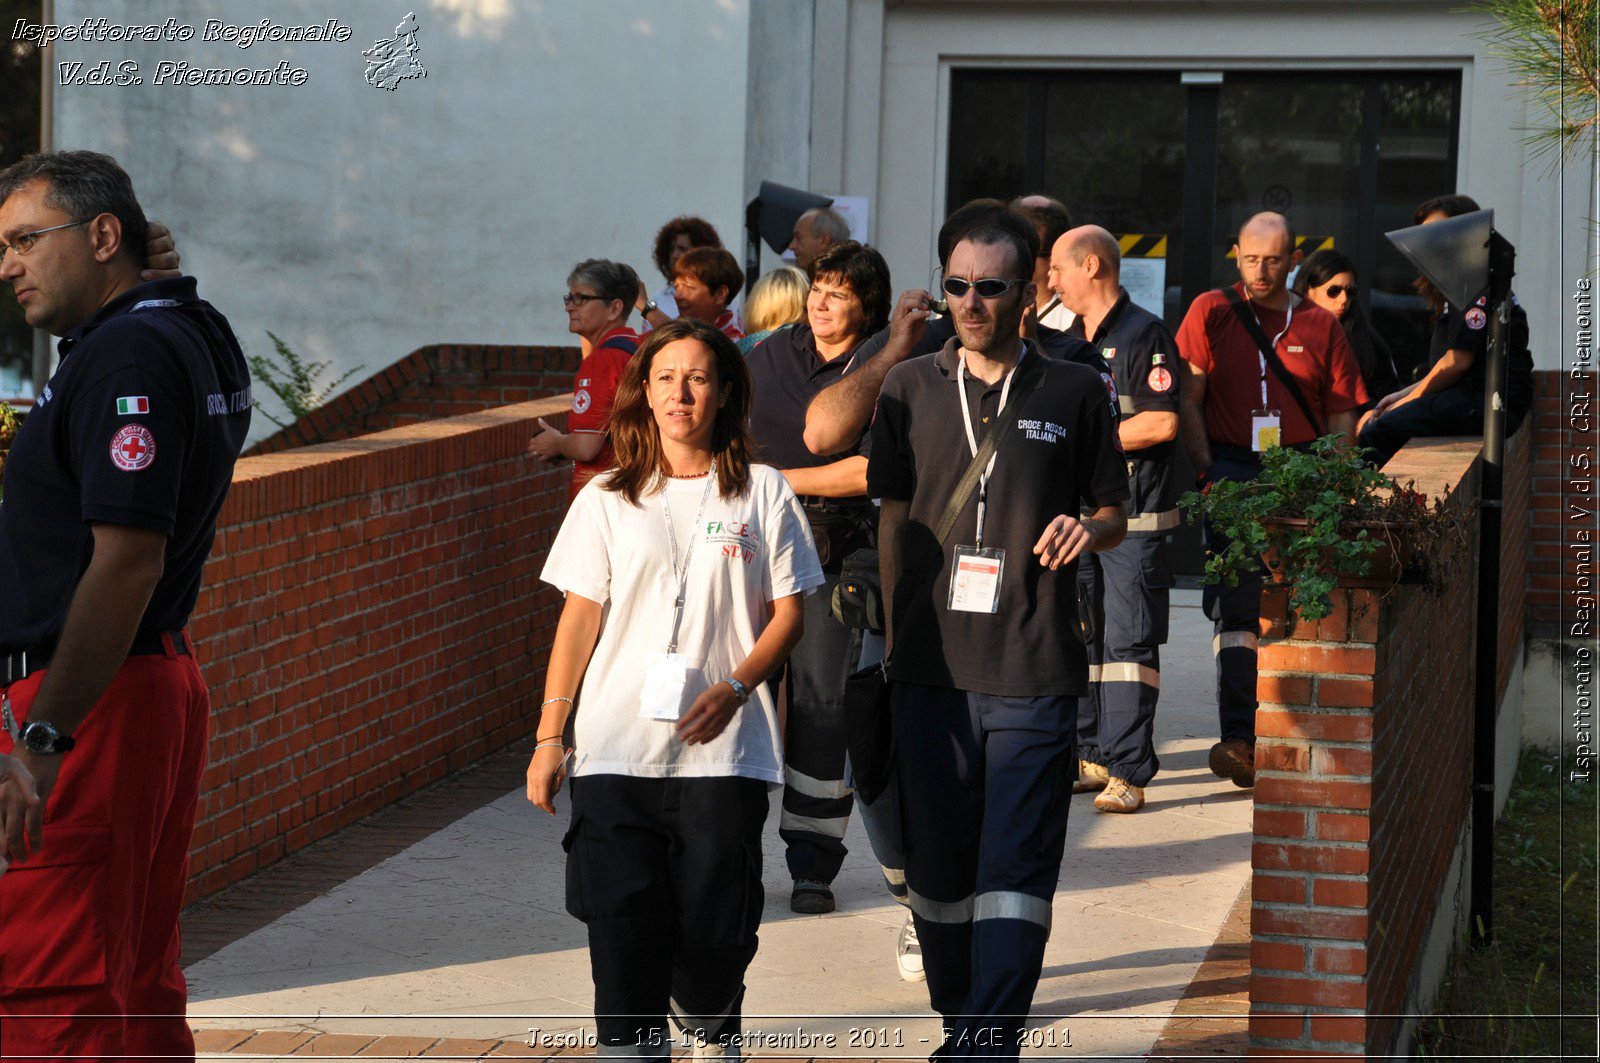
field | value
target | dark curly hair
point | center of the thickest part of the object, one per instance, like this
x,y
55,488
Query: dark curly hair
x,y
865,273
700,232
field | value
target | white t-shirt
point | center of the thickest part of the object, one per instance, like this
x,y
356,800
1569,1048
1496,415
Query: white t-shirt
x,y
1057,317
748,552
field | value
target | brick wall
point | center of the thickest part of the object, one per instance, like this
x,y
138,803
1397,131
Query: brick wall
x,y
1557,436
430,383
1363,772
371,620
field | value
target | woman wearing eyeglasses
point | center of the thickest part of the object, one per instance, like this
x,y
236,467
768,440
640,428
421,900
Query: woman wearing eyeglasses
x,y
1328,279
599,295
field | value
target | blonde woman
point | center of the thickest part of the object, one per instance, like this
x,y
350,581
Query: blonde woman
x,y
776,300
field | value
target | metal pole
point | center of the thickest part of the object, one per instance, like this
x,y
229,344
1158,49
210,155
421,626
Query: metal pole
x,y
1502,263
47,137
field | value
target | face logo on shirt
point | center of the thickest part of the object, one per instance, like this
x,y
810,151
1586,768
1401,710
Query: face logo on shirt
x,y
1476,318
1159,379
735,541
580,401
133,448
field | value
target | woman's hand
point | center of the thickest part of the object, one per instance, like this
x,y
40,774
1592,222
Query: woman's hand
x,y
546,446
708,717
545,773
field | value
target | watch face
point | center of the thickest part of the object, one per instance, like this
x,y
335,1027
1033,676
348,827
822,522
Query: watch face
x,y
39,737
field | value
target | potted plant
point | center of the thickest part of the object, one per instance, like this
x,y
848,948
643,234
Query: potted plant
x,y
9,423
1323,516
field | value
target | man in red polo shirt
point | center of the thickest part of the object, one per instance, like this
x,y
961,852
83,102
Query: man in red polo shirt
x,y
1265,370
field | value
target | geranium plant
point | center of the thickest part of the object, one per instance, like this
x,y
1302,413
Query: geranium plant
x,y
1319,516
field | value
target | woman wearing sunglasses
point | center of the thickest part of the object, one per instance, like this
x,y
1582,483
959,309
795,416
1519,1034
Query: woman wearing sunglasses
x,y
1328,279
599,295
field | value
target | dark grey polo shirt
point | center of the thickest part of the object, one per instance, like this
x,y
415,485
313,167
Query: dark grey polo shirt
x,y
787,372
1060,456
1144,357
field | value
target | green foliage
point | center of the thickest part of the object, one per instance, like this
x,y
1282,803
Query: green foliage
x,y
1316,516
1506,1001
295,381
9,423
1553,46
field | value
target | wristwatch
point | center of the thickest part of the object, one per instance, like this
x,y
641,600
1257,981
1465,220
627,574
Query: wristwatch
x,y
648,308
41,737
740,691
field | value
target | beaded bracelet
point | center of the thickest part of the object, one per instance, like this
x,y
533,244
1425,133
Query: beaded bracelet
x,y
548,701
548,742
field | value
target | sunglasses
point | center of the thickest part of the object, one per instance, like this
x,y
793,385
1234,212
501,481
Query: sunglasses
x,y
1335,290
987,288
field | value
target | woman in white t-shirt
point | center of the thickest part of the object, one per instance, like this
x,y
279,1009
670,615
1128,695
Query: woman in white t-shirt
x,y
684,569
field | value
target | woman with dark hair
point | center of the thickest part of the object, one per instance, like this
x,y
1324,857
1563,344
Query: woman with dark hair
x,y
848,301
681,234
684,569
1448,401
1328,279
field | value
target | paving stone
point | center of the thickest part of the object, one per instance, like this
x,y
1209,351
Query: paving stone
x,y
219,1041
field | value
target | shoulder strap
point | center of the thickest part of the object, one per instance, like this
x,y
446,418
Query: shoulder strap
x,y
986,449
621,343
1252,326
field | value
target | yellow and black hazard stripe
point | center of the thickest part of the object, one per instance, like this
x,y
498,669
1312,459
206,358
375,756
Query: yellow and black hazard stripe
x,y
1304,244
1143,245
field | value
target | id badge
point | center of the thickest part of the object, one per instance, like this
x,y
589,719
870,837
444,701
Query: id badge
x,y
975,583
1264,433
664,680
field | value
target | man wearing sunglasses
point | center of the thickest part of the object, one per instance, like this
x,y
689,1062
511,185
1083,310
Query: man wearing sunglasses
x,y
1265,370
112,491
984,652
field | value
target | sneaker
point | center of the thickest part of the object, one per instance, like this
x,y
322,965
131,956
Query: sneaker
x,y
1091,776
713,1050
811,898
1235,759
908,953
1120,796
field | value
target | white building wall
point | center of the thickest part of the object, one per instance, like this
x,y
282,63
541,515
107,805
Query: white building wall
x,y
904,168
360,224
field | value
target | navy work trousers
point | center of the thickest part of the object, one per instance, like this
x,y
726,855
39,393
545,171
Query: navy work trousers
x,y
985,787
667,875
1452,412
1125,593
1235,613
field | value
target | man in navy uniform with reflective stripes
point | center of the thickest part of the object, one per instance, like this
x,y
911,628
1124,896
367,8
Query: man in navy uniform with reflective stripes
x,y
984,652
1125,590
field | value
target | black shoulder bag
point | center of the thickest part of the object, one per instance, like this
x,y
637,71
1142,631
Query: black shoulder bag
x,y
869,728
1253,326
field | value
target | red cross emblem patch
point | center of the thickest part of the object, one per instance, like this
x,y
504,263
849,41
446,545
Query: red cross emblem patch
x,y
133,448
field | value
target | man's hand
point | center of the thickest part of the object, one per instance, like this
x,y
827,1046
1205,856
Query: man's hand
x,y
19,805
709,716
1064,539
545,772
160,255
909,322
546,446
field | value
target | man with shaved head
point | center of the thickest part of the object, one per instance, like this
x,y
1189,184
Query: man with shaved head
x,y
1124,589
1265,370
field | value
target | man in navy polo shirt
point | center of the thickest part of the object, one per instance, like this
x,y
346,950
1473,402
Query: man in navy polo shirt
x,y
112,490
985,651
1125,590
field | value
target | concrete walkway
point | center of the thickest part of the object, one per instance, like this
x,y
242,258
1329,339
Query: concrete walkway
x,y
463,935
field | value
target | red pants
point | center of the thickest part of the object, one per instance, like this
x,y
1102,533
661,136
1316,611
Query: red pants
x,y
89,925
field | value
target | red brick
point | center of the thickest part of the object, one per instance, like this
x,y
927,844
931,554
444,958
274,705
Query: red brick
x,y
220,1041
336,1045
1339,893
460,1048
1352,1028
1291,922
1266,989
1278,1027
397,1046
1284,689
1333,760
1275,856
1283,889
1327,726
1343,827
1275,824
1340,961
1342,659
1313,793
1300,1053
1344,693
1279,956
274,1043
1283,756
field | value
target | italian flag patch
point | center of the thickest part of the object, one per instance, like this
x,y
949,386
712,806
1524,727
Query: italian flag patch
x,y
129,404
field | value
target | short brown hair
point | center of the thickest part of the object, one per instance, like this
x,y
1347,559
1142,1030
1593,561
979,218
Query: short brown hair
x,y
700,232
865,273
713,267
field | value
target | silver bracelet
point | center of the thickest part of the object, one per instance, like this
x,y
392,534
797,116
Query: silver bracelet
x,y
549,742
548,701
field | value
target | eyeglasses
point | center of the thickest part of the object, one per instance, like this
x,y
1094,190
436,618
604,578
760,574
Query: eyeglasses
x,y
22,243
988,287
578,299
1335,290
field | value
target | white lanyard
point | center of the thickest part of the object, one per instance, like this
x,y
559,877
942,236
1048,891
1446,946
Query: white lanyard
x,y
972,438
681,576
1288,319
